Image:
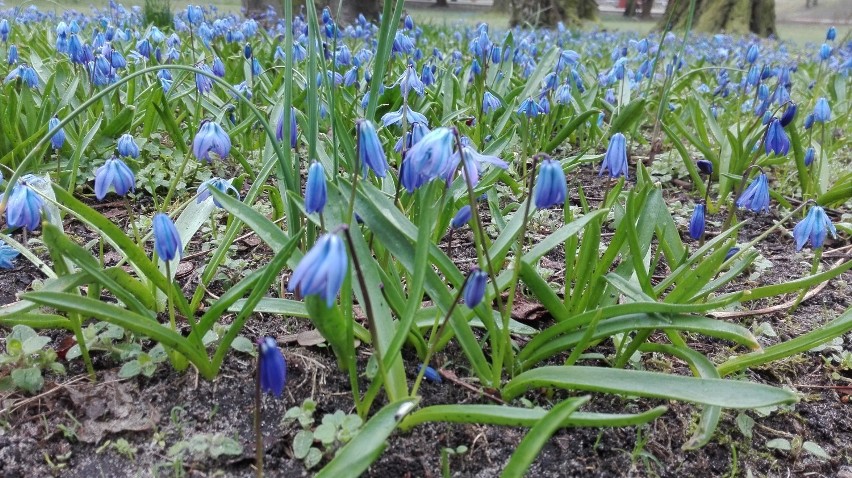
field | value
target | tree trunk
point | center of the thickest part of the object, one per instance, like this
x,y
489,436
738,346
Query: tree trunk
x,y
729,16
551,12
630,9
501,5
349,9
441,3
647,5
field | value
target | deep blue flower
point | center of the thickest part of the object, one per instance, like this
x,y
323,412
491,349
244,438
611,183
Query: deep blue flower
x,y
211,142
529,108
490,102
114,174
731,252
427,76
815,226
416,132
127,146
27,75
474,290
551,186
809,155
166,238
696,223
7,254
789,114
218,67
824,51
203,83
165,80
809,121
430,374
430,158
4,30
462,217
222,185
705,166
24,208
13,54
194,14
315,189
408,22
322,270
247,51
753,52
370,152
272,367
58,139
822,112
410,81
831,33
615,159
256,69
756,195
776,140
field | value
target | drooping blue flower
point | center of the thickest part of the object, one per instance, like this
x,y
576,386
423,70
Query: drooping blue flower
x,y
416,132
211,142
776,140
127,147
753,52
7,254
474,290
615,159
165,80
789,114
218,67
831,33
427,75
430,158
696,223
810,153
430,374
247,51
410,81
815,226
315,189
256,69
408,22
58,139
756,195
809,121
474,162
705,166
490,102
322,270
411,117
551,186
24,208
822,112
272,367
824,51
13,54
220,184
203,83
731,252
462,217
194,14
529,108
166,238
114,174
370,152
27,75
4,30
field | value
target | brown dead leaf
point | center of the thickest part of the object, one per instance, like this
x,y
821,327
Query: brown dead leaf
x,y
108,407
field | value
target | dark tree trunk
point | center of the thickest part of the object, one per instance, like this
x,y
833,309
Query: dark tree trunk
x,y
441,3
630,9
551,12
646,8
729,16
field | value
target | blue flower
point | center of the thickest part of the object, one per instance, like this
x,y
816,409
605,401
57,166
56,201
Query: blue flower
x,y
809,121
218,67
529,108
490,102
166,238
809,155
822,112
194,14
58,139
13,54
753,52
462,217
165,80
410,81
315,189
7,254
24,208
696,224
824,51
215,183
272,367
203,83
4,29
25,73
370,152
776,140
474,162
705,166
831,33
731,252
756,195
211,142
789,114
551,187
322,270
427,76
408,22
474,290
411,117
615,159
815,226
430,158
430,374
114,174
127,146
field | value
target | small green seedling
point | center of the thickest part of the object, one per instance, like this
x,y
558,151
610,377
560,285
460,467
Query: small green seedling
x,y
27,355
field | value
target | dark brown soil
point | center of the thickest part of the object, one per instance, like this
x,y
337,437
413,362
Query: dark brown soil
x,y
152,414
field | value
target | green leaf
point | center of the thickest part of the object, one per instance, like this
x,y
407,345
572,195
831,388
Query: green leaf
x,y
522,417
130,369
814,449
782,444
628,116
244,345
537,437
34,344
724,393
357,455
302,443
28,379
